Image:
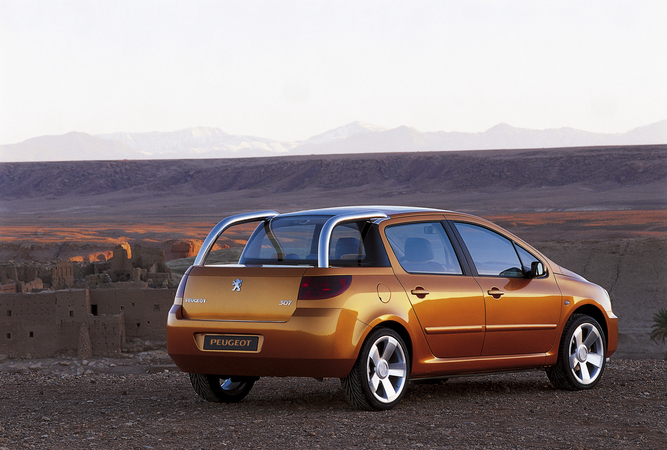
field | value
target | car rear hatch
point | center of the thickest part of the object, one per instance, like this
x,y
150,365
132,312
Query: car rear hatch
x,y
239,293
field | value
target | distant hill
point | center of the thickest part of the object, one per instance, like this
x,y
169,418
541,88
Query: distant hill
x,y
68,147
357,137
442,173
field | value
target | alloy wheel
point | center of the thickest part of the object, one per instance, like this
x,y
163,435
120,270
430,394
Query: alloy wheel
x,y
386,369
586,353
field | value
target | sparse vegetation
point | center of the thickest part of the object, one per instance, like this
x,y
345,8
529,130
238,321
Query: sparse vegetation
x,y
659,328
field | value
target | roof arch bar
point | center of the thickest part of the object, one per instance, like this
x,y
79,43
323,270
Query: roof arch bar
x,y
327,229
224,224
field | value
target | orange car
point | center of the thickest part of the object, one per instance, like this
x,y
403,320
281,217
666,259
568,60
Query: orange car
x,y
379,295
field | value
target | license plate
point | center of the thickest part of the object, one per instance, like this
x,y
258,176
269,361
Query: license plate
x,y
244,343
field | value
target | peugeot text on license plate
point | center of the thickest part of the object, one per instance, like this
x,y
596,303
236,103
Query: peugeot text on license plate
x,y
218,342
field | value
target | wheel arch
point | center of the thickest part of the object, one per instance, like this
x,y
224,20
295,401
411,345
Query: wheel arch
x,y
595,313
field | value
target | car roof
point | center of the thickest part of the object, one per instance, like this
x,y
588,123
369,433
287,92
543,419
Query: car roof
x,y
390,211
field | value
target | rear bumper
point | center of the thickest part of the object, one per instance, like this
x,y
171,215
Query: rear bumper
x,y
312,343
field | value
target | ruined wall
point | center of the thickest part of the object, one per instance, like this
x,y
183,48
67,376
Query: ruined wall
x,y
62,275
25,277
121,263
138,265
50,323
144,310
42,324
107,334
8,272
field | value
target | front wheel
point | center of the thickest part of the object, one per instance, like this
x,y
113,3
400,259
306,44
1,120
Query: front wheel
x,y
220,389
581,356
379,378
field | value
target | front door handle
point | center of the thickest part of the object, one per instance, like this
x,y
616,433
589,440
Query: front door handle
x,y
495,292
420,292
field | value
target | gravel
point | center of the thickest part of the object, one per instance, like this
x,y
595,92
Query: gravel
x,y
142,402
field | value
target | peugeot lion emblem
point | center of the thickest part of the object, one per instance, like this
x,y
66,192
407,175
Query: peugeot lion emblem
x,y
237,285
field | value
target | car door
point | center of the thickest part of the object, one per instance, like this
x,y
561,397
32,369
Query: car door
x,y
522,313
449,305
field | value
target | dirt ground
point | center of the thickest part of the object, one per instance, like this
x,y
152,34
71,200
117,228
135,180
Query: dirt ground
x,y
143,403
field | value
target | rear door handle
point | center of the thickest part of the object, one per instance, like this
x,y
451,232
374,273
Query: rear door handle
x,y
419,292
495,292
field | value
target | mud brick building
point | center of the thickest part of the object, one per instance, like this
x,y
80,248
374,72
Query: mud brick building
x,y
87,322
85,309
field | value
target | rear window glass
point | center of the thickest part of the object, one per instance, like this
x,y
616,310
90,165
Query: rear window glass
x,y
294,240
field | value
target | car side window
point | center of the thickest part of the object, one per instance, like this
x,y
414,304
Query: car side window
x,y
492,254
423,247
346,243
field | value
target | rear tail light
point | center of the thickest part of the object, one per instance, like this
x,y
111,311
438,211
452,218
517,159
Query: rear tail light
x,y
319,288
180,292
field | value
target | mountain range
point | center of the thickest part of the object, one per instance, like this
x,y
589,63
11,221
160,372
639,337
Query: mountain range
x,y
356,137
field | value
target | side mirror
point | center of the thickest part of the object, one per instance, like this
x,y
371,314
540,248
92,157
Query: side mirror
x,y
537,269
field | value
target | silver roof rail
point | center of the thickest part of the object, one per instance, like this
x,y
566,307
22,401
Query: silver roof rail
x,y
223,225
327,229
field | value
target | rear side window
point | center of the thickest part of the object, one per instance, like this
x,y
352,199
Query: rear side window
x,y
294,240
423,247
492,254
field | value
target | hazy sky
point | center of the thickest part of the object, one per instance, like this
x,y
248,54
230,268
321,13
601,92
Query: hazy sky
x,y
293,69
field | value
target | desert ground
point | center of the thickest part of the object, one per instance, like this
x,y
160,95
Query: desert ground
x,y
159,410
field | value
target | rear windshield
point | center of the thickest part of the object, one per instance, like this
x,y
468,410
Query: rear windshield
x,y
293,240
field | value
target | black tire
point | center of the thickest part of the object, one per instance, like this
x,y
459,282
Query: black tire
x,y
581,355
221,389
379,378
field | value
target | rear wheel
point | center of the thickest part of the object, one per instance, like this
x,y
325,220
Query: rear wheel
x,y
379,377
216,388
581,356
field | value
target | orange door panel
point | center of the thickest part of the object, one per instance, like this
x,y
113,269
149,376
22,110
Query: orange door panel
x,y
450,309
522,314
